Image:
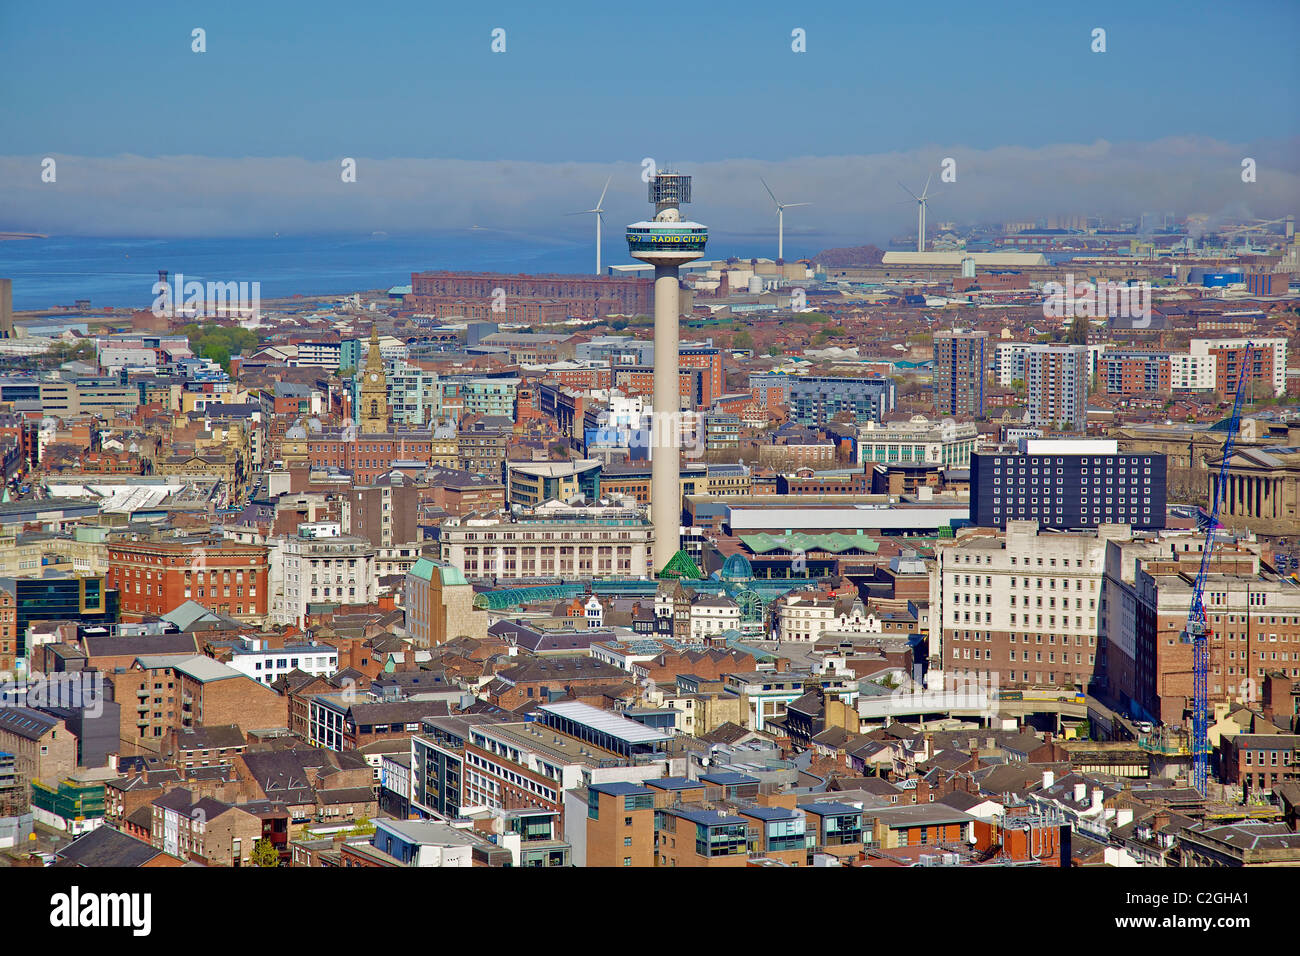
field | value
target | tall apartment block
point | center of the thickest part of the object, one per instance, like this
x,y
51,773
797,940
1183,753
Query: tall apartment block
x,y
1056,378
960,372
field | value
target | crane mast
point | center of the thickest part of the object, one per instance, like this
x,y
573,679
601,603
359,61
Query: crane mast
x,y
1197,633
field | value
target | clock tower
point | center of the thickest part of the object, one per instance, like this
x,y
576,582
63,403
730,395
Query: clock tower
x,y
373,408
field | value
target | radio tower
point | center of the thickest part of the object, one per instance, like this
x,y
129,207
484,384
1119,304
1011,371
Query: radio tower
x,y
666,242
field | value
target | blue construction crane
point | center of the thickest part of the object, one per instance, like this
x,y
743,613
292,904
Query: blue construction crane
x,y
1197,633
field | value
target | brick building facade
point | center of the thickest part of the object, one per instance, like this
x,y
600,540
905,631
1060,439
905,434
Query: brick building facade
x,y
578,296
154,577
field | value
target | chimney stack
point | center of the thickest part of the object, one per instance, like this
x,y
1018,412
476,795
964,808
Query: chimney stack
x,y
6,308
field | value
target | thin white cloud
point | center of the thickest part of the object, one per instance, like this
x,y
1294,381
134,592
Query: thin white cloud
x,y
196,196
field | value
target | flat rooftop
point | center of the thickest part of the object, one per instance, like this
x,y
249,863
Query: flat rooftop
x,y
549,743
606,722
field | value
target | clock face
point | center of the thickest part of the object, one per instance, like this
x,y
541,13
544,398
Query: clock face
x,y
374,376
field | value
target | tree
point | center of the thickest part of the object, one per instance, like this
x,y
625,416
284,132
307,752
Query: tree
x,y
69,351
742,340
1078,334
264,854
773,351
1259,392
219,342
363,827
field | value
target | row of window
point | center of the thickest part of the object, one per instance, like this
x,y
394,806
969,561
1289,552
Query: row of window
x,y
988,559
1051,582
964,653
1032,461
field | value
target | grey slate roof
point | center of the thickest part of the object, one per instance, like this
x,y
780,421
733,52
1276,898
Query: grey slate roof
x,y
25,722
107,847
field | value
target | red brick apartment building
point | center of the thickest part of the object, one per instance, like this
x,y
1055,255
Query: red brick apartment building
x,y
584,378
8,634
709,361
154,577
161,694
1227,368
368,457
620,825
1130,373
579,295
639,380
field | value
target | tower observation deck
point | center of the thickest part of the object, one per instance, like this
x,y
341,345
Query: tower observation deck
x,y
667,239
666,242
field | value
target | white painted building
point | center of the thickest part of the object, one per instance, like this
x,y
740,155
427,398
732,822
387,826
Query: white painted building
x,y
594,612
948,443
319,565
710,615
424,843
804,618
1192,373
1024,605
315,353
267,664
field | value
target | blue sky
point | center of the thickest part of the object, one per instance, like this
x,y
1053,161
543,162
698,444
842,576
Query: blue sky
x,y
591,87
418,79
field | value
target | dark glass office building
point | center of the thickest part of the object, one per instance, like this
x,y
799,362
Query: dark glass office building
x,y
60,597
1061,484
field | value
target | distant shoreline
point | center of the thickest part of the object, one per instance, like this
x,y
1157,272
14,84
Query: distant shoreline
x,y
22,235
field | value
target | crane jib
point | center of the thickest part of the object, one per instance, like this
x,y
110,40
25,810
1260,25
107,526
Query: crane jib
x,y
1197,632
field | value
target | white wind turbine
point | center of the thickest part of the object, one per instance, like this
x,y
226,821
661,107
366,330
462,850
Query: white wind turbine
x,y
920,211
600,215
781,207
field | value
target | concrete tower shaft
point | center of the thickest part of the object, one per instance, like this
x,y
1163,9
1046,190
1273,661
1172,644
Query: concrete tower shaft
x,y
666,242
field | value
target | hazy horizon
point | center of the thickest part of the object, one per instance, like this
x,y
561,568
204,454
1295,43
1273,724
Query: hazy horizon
x,y
198,196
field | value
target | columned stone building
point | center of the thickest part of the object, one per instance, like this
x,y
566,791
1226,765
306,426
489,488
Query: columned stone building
x,y
1263,490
